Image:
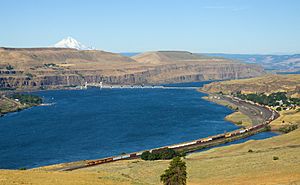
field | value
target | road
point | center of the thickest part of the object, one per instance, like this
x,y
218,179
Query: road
x,y
258,114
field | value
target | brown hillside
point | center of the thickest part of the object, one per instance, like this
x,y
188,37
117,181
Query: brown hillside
x,y
177,57
56,67
267,84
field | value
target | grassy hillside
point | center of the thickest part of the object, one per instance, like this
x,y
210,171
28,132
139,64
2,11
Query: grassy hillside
x,y
178,57
9,105
288,117
264,84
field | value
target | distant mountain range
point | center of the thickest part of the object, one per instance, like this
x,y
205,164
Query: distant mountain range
x,y
279,63
70,42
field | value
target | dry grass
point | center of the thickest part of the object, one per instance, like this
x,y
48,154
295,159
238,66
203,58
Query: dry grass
x,y
57,178
287,117
239,119
265,84
9,105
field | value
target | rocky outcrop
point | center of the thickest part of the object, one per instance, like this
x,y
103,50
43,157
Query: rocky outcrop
x,y
52,67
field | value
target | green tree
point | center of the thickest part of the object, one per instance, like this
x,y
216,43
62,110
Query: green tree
x,y
175,174
145,155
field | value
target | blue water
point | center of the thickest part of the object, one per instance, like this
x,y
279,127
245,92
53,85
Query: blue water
x,y
94,123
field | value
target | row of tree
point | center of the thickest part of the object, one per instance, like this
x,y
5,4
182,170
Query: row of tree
x,y
161,154
27,99
274,99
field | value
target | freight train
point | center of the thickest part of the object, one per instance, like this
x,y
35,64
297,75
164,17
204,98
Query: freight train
x,y
185,145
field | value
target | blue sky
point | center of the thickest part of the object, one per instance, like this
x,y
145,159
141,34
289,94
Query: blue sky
x,y
228,26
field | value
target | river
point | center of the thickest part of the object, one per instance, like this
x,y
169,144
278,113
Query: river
x,y
94,123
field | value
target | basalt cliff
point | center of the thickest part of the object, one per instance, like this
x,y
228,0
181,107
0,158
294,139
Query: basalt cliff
x,y
39,68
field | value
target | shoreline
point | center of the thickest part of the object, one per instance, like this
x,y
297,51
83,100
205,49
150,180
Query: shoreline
x,y
17,106
237,118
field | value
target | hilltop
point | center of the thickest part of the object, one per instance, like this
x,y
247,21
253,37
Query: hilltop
x,y
36,58
177,57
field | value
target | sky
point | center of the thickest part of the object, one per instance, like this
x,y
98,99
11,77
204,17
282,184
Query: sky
x,y
203,26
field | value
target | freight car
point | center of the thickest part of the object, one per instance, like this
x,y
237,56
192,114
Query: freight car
x,y
228,135
134,155
220,136
183,144
206,140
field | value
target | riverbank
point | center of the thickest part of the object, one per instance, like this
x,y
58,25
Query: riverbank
x,y
237,117
17,102
287,121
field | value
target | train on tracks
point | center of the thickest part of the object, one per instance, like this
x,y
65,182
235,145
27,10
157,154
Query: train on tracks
x,y
182,146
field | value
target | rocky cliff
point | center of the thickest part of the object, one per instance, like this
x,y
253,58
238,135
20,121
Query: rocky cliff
x,y
54,67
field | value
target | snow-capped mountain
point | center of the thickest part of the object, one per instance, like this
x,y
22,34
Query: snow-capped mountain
x,y
70,42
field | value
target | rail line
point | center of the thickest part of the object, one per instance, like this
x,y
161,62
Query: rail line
x,y
194,145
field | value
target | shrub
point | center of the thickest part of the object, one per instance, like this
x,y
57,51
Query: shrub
x,y
288,128
275,158
239,122
145,155
161,154
29,75
250,151
9,67
268,128
50,65
278,109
